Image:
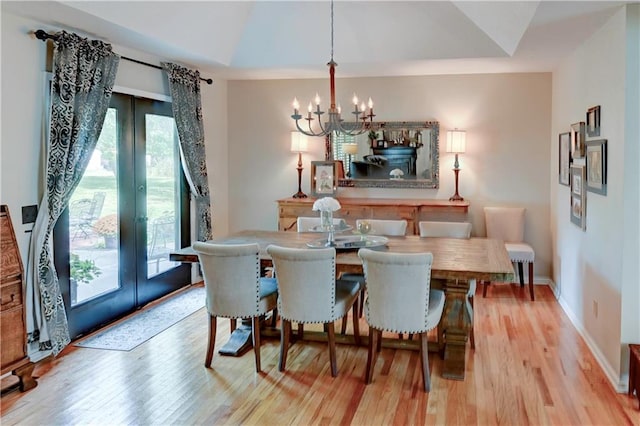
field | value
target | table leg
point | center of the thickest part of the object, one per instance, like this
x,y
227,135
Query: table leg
x,y
456,324
240,340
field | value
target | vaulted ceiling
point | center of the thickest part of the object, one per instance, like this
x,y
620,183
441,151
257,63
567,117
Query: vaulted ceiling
x,y
291,39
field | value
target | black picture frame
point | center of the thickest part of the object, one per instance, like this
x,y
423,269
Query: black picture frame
x,y
596,162
564,157
593,121
577,140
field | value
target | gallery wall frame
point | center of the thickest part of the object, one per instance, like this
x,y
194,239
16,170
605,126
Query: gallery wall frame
x,y
596,162
578,209
564,157
593,121
577,140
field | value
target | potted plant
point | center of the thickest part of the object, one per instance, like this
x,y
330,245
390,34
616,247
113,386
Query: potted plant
x,y
107,227
81,271
373,136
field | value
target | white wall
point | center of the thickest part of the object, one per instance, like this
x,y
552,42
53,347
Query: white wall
x,y
506,116
23,66
591,267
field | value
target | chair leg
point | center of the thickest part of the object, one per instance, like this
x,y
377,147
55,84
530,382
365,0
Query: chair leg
x,y
285,332
356,322
343,327
255,333
424,360
212,340
300,330
371,355
233,324
332,349
531,281
362,295
274,317
521,274
484,288
473,320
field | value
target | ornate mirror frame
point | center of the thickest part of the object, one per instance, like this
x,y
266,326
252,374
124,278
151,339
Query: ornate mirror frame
x,y
430,147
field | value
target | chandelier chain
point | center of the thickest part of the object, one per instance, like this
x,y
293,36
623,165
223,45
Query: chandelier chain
x,y
331,30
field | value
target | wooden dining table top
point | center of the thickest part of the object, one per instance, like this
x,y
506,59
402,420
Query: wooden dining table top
x,y
480,258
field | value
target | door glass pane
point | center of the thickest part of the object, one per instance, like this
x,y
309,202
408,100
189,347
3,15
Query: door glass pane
x,y
162,161
93,221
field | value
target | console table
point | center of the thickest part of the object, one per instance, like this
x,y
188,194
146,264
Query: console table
x,y
413,211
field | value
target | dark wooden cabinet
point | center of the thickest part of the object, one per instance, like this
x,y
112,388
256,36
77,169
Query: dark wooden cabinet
x,y
13,331
399,157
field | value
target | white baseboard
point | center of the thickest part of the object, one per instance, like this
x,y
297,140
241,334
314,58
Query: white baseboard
x,y
620,385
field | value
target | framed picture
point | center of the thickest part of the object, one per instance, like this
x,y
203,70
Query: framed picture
x,y
596,156
564,157
577,140
593,121
578,199
324,178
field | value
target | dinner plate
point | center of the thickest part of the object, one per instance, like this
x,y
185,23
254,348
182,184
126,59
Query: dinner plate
x,y
351,242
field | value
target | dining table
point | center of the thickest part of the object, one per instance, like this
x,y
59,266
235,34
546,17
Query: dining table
x,y
455,262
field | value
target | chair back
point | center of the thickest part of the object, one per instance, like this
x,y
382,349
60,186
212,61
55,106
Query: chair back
x,y
231,277
505,223
397,290
390,228
306,283
445,229
306,224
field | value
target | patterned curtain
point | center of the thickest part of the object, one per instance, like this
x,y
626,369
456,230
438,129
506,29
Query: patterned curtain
x,y
184,85
83,75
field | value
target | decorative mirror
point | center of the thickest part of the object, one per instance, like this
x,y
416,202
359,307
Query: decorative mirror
x,y
393,154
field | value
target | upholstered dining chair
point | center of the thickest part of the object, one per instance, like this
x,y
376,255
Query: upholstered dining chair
x,y
235,289
400,300
507,224
384,227
306,224
308,293
452,230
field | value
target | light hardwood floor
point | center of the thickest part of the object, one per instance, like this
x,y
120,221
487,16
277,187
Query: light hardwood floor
x,y
530,366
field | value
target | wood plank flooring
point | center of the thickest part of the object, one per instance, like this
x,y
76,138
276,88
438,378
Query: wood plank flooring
x,y
530,366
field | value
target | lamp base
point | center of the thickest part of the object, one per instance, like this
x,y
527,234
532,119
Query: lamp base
x,y
299,194
456,196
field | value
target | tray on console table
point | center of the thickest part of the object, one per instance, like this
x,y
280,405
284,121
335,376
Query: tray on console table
x,y
412,210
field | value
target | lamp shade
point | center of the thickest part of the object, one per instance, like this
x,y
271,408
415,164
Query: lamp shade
x,y
298,142
456,141
350,148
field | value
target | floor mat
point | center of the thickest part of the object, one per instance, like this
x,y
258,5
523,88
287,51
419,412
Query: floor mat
x,y
142,326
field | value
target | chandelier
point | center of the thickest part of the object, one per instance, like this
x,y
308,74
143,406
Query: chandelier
x,y
364,116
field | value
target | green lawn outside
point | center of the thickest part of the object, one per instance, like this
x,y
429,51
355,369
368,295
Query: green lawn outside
x,y
160,194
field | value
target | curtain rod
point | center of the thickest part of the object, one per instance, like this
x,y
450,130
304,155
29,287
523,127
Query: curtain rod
x,y
44,36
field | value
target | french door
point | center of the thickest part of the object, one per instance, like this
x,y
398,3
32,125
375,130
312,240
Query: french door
x,y
130,210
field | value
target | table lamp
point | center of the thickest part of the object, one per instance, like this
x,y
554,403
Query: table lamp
x,y
350,149
456,143
299,145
